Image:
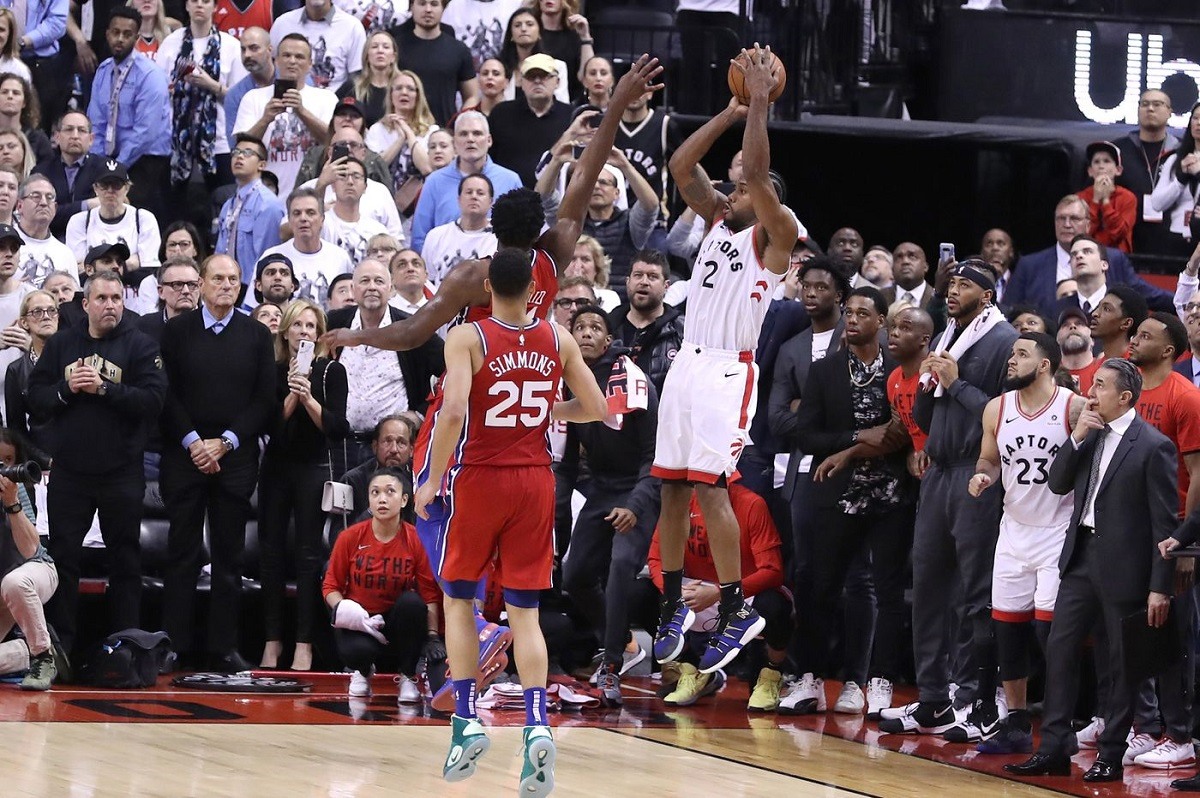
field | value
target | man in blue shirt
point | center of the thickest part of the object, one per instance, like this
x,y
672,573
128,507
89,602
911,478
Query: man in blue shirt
x,y
439,197
44,24
250,219
259,61
129,108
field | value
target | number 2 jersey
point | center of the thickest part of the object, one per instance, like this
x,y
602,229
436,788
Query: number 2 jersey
x,y
545,279
1028,441
730,290
508,413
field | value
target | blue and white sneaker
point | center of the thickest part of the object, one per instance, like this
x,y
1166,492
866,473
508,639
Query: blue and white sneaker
x,y
668,642
738,629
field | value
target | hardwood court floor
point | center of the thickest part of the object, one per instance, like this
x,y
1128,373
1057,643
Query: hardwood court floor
x,y
171,743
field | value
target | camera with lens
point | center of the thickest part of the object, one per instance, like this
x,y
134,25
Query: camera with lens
x,y
28,473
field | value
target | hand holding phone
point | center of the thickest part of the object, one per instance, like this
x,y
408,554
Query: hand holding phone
x,y
282,86
304,357
945,253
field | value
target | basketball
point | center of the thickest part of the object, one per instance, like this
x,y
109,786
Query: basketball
x,y
737,85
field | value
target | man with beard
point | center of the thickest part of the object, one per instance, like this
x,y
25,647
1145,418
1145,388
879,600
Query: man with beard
x,y
1023,429
845,251
1116,320
652,330
612,535
274,281
963,372
1075,340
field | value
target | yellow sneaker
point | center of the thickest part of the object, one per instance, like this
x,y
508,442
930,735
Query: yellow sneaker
x,y
765,696
694,685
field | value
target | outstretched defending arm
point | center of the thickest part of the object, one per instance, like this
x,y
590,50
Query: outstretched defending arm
x,y
777,231
560,240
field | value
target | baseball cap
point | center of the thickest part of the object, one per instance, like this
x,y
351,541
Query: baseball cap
x,y
539,62
1073,310
117,250
274,257
111,170
349,105
1103,146
8,232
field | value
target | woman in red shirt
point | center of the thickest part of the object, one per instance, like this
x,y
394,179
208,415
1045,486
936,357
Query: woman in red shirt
x,y
381,592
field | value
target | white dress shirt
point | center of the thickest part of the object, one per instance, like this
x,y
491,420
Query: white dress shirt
x,y
1116,430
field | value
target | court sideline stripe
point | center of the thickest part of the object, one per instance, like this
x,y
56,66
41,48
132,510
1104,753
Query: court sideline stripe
x,y
752,765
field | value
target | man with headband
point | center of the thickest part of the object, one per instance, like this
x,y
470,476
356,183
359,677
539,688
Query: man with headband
x,y
954,532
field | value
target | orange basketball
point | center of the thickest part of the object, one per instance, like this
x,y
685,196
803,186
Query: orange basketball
x,y
737,84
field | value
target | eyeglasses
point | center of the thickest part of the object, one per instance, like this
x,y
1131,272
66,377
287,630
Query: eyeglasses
x,y
247,152
40,197
1151,103
539,77
183,243
354,177
1192,307
41,313
566,302
181,285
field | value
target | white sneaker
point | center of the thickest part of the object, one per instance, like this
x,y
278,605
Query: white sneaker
x,y
1001,703
879,697
1090,734
851,701
804,697
895,713
1168,754
952,691
409,692
360,683
1140,743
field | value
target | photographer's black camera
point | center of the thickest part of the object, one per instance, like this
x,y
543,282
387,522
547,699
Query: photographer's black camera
x,y
28,473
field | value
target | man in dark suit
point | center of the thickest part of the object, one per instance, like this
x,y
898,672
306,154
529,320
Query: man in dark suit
x,y
1110,566
178,292
909,267
377,389
221,367
1036,276
73,173
861,505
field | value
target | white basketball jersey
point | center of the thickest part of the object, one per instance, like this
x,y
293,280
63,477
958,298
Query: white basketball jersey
x,y
1028,441
730,290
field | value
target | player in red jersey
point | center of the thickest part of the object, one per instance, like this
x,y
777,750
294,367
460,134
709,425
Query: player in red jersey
x,y
491,445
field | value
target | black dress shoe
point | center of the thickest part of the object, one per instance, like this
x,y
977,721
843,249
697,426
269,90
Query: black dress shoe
x,y
233,662
1041,765
1104,771
1187,785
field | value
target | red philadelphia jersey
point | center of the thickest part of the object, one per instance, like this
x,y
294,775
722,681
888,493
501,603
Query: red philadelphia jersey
x,y
508,413
545,281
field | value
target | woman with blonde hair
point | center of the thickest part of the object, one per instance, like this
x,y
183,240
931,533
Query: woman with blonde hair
x,y
591,263
295,467
372,84
10,47
401,137
567,36
156,25
24,113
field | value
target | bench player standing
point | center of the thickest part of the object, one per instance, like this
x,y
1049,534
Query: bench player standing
x,y
502,376
1023,430
709,398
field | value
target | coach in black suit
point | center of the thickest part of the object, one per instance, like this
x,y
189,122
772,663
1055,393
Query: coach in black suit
x,y
221,368
1123,473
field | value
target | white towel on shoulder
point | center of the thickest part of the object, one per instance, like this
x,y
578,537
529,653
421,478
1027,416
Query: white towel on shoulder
x,y
989,318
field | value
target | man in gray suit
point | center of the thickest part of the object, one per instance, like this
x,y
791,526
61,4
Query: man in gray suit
x,y
1123,472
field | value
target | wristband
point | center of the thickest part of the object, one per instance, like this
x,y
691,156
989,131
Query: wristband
x,y
12,509
587,41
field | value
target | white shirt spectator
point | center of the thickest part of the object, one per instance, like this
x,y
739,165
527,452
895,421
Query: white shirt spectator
x,y
39,257
337,43
480,25
315,271
232,70
350,236
15,66
375,381
400,303
376,14
287,138
137,229
448,245
376,203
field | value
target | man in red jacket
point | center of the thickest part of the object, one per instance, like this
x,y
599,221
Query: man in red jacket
x,y
762,584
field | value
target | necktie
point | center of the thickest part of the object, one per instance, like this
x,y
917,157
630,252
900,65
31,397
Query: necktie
x,y
71,171
1087,307
120,73
1094,474
216,328
234,214
909,298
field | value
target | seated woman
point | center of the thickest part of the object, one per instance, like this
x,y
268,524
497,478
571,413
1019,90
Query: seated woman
x,y
29,580
381,592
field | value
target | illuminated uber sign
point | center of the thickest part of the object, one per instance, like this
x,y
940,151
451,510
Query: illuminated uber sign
x,y
1066,67
1144,70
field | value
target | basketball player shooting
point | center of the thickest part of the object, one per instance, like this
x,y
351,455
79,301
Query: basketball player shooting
x,y
709,396
502,376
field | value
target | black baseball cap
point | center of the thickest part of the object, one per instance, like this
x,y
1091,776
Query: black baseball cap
x,y
263,263
1073,310
1103,146
9,233
116,250
112,171
349,105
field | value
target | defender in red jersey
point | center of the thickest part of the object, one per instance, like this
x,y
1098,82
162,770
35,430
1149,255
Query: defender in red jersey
x,y
491,439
